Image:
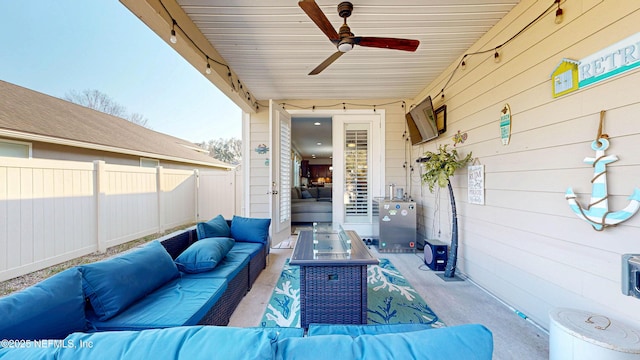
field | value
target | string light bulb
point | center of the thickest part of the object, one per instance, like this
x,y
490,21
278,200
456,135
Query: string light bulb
x,y
208,69
173,37
463,65
496,56
559,13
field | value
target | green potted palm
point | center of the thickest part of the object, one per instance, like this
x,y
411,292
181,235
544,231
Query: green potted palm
x,y
438,169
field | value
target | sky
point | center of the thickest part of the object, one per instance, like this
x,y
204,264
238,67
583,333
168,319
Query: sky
x,y
55,47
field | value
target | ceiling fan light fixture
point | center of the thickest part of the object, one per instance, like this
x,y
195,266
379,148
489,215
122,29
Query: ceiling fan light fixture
x,y
345,46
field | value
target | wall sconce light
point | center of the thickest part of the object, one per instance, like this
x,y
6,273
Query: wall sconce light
x,y
559,13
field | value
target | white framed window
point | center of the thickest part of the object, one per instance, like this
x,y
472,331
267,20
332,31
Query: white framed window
x,y
152,163
356,173
16,149
285,171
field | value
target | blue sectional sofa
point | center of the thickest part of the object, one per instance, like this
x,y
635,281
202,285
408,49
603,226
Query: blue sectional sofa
x,y
193,277
152,303
213,342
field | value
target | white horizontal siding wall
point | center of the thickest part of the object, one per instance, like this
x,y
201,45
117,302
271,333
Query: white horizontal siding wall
x,y
525,245
53,211
259,184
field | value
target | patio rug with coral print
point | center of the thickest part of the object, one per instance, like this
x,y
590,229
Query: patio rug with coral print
x,y
390,297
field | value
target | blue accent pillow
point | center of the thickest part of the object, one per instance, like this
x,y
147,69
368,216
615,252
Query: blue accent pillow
x,y
114,284
305,194
216,227
50,309
204,254
250,229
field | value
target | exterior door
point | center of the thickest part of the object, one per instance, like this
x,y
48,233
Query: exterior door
x,y
358,166
280,169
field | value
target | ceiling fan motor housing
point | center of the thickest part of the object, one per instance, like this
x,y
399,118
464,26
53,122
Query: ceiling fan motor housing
x,y
344,9
346,43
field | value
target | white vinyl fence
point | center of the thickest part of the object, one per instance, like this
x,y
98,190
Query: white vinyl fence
x,y
53,211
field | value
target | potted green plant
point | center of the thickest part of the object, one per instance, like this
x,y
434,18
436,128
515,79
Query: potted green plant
x,y
438,169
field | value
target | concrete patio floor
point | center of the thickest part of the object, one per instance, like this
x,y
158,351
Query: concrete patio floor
x,y
456,303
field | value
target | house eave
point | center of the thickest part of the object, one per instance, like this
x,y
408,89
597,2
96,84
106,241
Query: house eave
x,y
85,145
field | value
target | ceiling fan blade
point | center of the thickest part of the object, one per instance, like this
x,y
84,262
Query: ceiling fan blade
x,y
326,63
315,13
387,43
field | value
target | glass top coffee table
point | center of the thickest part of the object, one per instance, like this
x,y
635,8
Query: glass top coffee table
x,y
333,275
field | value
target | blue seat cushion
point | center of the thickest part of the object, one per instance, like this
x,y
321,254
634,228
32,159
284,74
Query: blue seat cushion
x,y
285,332
250,229
29,353
457,342
50,309
251,249
114,284
182,343
204,254
182,301
216,227
357,330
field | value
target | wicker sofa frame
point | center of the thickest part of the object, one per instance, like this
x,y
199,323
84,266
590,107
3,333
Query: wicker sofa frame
x,y
175,243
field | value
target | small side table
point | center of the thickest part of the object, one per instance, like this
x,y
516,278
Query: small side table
x,y
575,334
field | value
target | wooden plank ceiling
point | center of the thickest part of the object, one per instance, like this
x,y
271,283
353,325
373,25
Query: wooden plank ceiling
x,y
272,45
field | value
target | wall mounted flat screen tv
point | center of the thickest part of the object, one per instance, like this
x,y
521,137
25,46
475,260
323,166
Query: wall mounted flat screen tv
x,y
421,121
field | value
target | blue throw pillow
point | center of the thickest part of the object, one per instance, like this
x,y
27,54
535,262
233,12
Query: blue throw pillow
x,y
216,227
204,254
305,194
51,309
250,229
114,284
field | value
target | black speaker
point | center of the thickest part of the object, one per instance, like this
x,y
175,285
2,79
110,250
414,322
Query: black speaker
x,y
435,254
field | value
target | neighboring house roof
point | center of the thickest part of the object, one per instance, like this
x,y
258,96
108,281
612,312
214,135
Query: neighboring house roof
x,y
34,116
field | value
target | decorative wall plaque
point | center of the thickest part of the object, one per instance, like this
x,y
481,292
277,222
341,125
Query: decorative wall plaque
x,y
505,124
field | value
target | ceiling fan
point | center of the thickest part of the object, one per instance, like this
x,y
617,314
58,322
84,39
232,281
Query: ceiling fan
x,y
345,40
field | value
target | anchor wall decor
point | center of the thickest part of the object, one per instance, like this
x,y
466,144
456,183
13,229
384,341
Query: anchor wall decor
x,y
597,213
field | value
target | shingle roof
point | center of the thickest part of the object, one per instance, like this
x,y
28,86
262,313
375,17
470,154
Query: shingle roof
x,y
27,111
